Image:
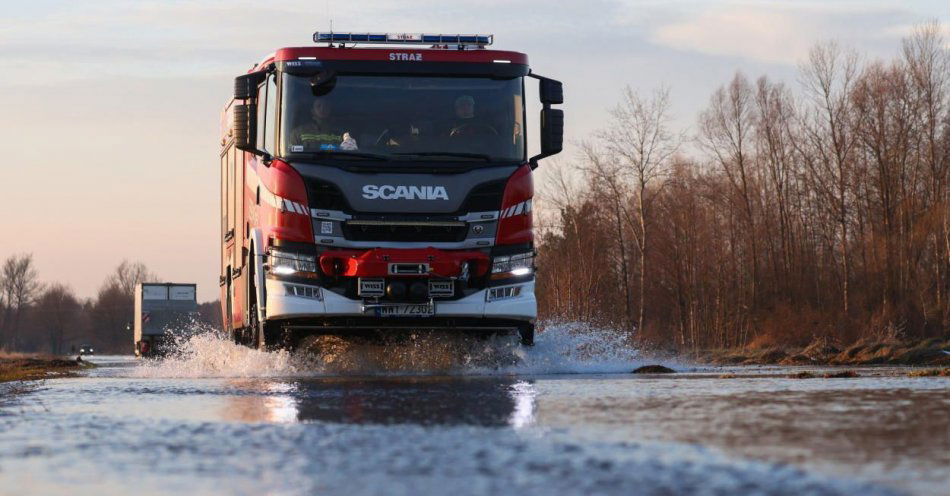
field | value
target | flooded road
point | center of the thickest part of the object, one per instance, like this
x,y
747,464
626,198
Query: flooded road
x,y
243,422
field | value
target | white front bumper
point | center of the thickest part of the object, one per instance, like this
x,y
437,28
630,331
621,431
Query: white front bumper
x,y
280,305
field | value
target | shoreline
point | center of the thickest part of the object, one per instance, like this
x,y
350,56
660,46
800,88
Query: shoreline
x,y
30,367
931,352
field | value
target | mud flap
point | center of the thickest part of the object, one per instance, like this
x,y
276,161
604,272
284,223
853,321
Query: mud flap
x,y
526,332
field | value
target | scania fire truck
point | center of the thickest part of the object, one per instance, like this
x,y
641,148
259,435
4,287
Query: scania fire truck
x,y
373,183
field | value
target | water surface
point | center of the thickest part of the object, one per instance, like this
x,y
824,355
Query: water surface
x,y
562,418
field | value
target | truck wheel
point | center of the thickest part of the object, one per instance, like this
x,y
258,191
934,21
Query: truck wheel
x,y
527,334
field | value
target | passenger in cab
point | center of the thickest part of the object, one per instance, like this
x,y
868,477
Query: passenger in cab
x,y
466,124
320,133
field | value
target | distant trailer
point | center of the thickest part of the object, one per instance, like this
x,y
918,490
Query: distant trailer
x,y
162,310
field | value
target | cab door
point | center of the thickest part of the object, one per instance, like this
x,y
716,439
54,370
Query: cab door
x,y
227,235
227,231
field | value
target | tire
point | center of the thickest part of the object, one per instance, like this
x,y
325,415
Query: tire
x,y
526,332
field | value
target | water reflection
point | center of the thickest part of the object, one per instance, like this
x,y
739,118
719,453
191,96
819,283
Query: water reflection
x,y
493,402
525,398
262,401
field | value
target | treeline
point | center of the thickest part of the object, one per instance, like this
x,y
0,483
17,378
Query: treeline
x,y
792,213
50,318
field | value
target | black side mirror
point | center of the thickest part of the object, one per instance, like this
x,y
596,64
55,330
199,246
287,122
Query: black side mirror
x,y
552,131
245,86
550,91
245,127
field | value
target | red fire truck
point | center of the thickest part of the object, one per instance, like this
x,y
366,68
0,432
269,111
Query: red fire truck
x,y
380,182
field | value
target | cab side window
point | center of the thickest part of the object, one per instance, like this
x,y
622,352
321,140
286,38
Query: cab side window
x,y
267,115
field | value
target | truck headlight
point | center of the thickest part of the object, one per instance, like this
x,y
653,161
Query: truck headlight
x,y
286,263
519,264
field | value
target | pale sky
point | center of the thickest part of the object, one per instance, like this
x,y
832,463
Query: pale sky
x,y
110,109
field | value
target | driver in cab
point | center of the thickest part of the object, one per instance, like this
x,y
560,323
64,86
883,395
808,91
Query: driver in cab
x,y
465,123
320,133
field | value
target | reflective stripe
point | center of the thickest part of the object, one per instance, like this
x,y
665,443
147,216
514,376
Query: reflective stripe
x,y
268,197
517,209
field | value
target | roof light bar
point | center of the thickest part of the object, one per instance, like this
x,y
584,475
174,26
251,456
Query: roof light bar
x,y
405,38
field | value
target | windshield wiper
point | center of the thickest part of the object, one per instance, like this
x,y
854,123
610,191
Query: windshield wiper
x,y
347,154
477,156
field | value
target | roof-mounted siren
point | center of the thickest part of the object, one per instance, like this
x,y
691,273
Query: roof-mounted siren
x,y
462,41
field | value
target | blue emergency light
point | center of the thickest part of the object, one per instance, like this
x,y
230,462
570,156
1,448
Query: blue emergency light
x,y
405,38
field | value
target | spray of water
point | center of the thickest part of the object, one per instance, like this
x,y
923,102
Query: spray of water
x,y
561,348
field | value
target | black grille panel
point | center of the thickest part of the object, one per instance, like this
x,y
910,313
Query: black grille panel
x,y
408,233
325,196
485,197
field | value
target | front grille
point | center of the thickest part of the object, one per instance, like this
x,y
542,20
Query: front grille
x,y
446,232
485,197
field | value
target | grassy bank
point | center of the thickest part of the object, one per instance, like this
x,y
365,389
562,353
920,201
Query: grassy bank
x,y
24,367
933,352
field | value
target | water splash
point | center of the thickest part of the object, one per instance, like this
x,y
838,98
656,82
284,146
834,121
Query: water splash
x,y
211,354
577,348
561,348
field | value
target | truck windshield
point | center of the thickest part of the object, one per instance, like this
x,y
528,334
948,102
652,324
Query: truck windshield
x,y
405,118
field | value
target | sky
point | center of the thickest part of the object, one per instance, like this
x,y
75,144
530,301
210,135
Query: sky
x,y
110,110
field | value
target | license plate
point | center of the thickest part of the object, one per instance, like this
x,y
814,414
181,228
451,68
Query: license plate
x,y
405,311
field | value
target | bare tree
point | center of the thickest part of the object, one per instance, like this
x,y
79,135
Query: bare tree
x,y
558,189
824,213
111,312
640,137
114,305
610,181
58,311
20,285
556,202
774,129
927,58
726,134
128,274
828,79
883,125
